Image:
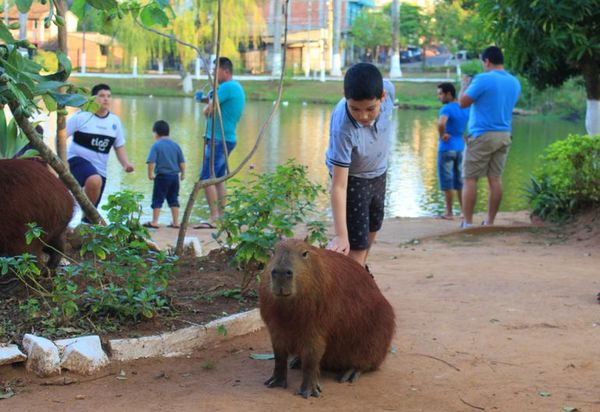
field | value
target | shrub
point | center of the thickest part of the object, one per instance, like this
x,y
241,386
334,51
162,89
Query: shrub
x,y
568,179
119,277
261,212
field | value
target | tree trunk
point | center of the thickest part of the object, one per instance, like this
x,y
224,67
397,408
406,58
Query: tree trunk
x,y
276,64
591,76
61,120
336,64
395,70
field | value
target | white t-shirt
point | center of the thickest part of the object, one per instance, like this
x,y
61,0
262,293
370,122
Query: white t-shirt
x,y
93,136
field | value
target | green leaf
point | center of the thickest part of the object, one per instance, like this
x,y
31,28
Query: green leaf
x,y
24,5
262,356
570,409
5,34
66,99
49,102
102,4
544,394
151,15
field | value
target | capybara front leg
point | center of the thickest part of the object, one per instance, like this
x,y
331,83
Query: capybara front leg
x,y
295,362
311,360
279,377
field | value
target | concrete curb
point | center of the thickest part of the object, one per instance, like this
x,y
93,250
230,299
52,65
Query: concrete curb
x,y
184,341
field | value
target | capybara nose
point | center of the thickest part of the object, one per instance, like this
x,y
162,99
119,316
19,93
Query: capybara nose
x,y
282,273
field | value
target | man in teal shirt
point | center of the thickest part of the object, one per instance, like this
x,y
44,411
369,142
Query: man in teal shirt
x,y
231,100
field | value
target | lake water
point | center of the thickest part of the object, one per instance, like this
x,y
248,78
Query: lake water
x,y
300,131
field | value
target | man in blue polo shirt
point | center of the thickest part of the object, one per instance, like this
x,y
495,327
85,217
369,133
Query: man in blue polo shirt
x,y
360,136
492,96
231,101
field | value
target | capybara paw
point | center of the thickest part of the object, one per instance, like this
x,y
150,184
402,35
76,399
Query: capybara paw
x,y
308,392
351,375
274,382
295,363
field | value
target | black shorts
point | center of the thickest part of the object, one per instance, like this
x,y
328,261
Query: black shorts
x,y
81,169
365,201
165,187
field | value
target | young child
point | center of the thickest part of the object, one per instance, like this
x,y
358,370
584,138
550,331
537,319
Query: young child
x,y
357,157
165,163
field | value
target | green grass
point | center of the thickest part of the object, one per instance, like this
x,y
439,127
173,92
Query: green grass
x,y
417,95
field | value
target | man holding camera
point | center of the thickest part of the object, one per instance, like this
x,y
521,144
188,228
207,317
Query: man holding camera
x,y
231,98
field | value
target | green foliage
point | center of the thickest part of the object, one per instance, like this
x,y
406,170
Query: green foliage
x,y
263,211
546,41
118,278
568,179
471,67
371,30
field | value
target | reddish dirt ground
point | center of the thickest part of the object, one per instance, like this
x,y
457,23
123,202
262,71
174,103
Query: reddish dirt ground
x,y
497,321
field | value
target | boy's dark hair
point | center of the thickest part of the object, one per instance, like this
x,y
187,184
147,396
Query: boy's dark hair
x,y
99,87
161,128
493,54
447,87
363,81
225,64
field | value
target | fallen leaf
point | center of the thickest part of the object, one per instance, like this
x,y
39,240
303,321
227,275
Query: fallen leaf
x,y
570,409
544,394
494,321
262,356
7,394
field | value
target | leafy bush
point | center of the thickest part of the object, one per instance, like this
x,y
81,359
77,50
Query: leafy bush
x,y
261,212
119,276
568,179
471,67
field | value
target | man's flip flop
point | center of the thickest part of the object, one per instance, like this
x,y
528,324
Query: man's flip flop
x,y
150,225
171,225
205,225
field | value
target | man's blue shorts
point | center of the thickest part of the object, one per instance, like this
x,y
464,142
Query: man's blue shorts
x,y
165,187
220,167
450,170
81,169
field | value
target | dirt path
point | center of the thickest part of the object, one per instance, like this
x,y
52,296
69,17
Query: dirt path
x,y
495,322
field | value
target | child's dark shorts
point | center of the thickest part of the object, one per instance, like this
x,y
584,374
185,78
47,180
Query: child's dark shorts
x,y
165,187
365,201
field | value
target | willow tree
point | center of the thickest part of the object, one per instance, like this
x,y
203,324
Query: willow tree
x,y
551,41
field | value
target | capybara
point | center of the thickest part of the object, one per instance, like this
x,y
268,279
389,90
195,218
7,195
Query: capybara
x,y
31,193
325,308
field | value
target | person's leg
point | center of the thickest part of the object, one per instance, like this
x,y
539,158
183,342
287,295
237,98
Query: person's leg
x,y
221,196
175,216
460,203
457,175
469,196
448,198
155,215
359,255
213,202
494,198
92,188
445,164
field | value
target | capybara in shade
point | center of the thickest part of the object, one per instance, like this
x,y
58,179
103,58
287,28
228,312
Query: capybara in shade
x,y
325,308
31,193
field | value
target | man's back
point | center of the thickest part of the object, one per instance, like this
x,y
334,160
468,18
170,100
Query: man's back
x,y
494,94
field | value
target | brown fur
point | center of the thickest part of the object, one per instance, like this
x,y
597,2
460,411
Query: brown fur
x,y
31,193
332,316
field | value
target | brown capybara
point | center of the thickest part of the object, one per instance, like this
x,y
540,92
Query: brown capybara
x,y
31,193
325,308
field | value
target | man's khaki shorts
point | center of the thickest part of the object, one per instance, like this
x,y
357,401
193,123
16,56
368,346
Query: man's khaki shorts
x,y
486,154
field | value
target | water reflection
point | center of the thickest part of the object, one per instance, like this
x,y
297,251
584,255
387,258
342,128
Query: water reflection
x,y
301,132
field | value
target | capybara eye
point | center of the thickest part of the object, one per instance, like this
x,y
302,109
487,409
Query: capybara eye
x,y
305,253
289,273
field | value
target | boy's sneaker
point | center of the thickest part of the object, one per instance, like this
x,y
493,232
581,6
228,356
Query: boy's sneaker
x,y
465,225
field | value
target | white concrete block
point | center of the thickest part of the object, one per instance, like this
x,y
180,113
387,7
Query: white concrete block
x,y
11,354
42,355
83,355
